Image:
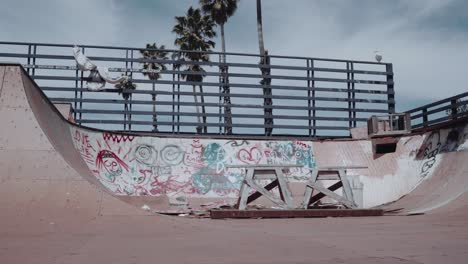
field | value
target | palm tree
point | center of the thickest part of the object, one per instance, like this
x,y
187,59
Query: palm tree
x,y
260,28
151,69
124,86
194,33
220,11
266,81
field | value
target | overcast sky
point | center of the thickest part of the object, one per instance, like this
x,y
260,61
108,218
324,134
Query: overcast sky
x,y
426,40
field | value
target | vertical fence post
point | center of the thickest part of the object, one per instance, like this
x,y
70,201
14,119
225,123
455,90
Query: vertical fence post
x,y
220,80
348,84
178,101
81,94
126,101
454,108
425,118
29,58
75,101
390,88
353,94
131,95
34,60
309,99
173,93
227,97
314,120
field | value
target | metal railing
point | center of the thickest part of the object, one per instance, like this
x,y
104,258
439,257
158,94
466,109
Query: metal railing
x,y
448,109
310,97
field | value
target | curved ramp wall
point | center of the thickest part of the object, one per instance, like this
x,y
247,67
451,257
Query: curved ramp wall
x,y
35,180
130,165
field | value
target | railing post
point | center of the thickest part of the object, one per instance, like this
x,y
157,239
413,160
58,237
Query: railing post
x,y
425,118
173,94
351,94
227,97
220,80
454,109
81,94
178,101
29,58
314,120
309,99
131,94
390,88
75,103
34,60
126,101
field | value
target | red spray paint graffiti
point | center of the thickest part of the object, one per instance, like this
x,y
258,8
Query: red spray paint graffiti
x,y
117,138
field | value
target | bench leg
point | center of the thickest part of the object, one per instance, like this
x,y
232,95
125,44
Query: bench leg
x,y
347,192
244,190
309,190
284,188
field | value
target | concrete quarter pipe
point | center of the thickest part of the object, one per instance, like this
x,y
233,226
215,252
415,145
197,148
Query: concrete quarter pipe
x,y
62,188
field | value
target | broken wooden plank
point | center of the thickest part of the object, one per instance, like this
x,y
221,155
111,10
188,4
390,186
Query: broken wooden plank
x,y
293,213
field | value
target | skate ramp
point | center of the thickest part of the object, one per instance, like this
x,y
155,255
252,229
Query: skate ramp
x,y
443,193
35,181
48,180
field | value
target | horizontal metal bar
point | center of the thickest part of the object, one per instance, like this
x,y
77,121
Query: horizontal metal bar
x,y
298,88
440,109
176,51
170,113
201,63
446,100
284,97
194,124
117,69
439,120
134,102
137,91
316,79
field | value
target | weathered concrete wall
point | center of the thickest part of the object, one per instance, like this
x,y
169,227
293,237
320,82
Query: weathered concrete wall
x,y
196,168
133,165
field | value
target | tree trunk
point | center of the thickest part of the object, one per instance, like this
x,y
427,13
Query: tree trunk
x,y
260,28
125,113
226,88
264,61
202,98
155,118
223,44
199,127
130,114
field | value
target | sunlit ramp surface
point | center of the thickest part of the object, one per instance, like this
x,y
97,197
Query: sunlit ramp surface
x,y
41,178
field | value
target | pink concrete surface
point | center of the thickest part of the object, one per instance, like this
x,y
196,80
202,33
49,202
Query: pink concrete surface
x,y
164,239
50,214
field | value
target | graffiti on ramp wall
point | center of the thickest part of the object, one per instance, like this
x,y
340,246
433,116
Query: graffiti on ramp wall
x,y
132,165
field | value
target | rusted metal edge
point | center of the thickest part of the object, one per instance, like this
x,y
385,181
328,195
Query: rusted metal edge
x,y
295,213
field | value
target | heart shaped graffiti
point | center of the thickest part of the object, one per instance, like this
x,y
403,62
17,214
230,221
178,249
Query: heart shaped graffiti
x,y
252,156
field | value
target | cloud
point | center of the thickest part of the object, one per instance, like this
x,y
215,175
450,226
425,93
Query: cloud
x,y
425,39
